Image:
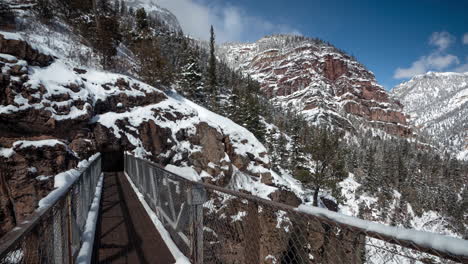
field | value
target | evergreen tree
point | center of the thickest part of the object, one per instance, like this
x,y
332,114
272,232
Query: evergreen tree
x,y
44,9
154,68
117,6
107,38
103,7
123,8
212,80
191,75
141,19
328,154
7,18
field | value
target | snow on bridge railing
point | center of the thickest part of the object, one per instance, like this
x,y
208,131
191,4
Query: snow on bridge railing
x,y
211,224
55,232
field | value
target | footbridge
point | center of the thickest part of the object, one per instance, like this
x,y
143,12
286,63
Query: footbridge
x,y
145,214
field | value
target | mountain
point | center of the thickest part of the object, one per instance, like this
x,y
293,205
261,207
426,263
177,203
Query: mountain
x,y
320,81
437,104
160,13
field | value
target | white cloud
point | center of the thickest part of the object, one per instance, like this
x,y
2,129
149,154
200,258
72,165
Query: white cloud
x,y
231,23
435,61
465,39
442,40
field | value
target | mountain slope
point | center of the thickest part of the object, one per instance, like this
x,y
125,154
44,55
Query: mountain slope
x,y
438,106
315,78
161,14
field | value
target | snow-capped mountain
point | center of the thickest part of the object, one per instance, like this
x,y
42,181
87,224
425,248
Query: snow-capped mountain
x,y
319,80
161,13
438,105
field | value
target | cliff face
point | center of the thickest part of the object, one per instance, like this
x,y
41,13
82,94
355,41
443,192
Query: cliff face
x,y
324,83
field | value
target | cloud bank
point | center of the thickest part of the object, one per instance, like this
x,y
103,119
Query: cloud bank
x,y
231,23
438,59
465,39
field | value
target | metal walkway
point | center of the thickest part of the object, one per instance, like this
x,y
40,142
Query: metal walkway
x,y
207,224
124,232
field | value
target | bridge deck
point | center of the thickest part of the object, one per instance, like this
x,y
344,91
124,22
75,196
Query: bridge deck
x,y
125,233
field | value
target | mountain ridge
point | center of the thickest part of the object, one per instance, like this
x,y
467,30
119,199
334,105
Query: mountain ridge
x,y
318,80
437,103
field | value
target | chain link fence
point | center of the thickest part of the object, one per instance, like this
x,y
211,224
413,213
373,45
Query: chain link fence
x,y
214,225
53,234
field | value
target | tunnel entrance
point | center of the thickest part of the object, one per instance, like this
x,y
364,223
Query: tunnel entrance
x,y
112,158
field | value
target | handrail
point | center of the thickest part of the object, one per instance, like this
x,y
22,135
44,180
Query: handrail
x,y
421,247
21,231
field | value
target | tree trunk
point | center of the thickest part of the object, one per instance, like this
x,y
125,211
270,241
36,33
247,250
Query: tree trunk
x,y
316,192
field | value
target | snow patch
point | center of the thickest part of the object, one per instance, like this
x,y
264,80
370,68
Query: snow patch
x,y
186,172
37,143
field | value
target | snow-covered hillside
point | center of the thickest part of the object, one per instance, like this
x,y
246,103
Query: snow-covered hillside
x,y
153,9
438,105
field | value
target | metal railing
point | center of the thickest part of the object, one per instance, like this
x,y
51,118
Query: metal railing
x,y
211,224
53,233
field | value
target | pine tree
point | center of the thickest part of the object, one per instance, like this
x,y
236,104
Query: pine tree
x,y
212,80
123,8
116,6
45,10
7,18
108,37
141,19
154,68
328,154
191,75
103,7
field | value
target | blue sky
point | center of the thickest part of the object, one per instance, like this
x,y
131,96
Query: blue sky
x,y
394,39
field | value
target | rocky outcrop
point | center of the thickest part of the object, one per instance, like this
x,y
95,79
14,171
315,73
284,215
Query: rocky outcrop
x,y
24,51
27,168
324,83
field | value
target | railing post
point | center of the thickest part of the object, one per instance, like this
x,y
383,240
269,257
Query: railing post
x,y
58,235
154,190
70,230
197,198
